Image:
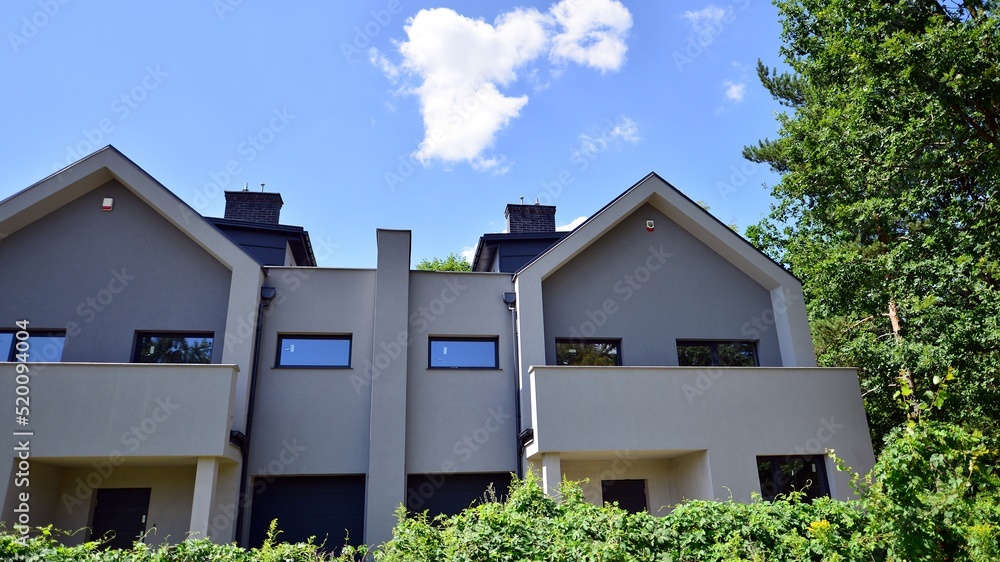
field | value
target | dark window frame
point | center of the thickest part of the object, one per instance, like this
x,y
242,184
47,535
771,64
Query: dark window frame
x,y
713,346
782,488
10,356
140,334
617,342
609,485
495,340
332,337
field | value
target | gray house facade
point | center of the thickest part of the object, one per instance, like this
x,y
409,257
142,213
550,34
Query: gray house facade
x,y
191,376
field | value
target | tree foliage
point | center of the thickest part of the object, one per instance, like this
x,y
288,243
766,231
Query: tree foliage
x,y
453,262
887,205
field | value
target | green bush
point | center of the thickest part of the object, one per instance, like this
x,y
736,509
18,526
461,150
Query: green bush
x,y
933,495
45,547
533,526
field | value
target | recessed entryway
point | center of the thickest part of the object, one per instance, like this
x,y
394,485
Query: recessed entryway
x,y
120,516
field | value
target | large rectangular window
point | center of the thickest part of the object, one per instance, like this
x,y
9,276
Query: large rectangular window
x,y
602,353
793,473
463,353
716,353
37,347
173,347
325,351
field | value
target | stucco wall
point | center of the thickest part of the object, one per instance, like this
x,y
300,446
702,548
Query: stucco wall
x,y
170,500
459,420
668,480
103,275
323,414
735,414
652,288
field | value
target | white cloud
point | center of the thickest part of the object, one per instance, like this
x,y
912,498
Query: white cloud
x,y
626,130
708,19
735,90
614,132
593,33
573,224
462,64
380,62
468,252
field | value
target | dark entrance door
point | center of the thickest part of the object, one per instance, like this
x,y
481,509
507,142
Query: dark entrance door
x,y
120,516
630,494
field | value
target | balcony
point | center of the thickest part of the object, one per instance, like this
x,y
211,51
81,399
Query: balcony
x,y
86,410
592,413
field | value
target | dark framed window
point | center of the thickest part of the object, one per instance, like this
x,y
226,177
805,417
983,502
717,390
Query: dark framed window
x,y
173,347
323,351
717,353
44,346
463,353
602,353
629,494
792,473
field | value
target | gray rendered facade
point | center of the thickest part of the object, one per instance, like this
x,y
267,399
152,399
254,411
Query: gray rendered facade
x,y
395,419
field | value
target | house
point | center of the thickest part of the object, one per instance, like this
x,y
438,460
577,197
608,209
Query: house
x,y
163,365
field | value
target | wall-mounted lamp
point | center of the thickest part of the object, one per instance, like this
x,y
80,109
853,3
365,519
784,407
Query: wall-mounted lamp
x,y
267,294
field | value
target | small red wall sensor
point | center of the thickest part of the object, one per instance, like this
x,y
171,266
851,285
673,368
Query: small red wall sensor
x,y
107,204
649,226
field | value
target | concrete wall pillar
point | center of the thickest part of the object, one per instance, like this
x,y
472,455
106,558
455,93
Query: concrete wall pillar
x,y
551,473
386,486
792,324
205,480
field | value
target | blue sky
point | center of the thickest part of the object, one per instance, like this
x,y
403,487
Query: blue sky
x,y
427,116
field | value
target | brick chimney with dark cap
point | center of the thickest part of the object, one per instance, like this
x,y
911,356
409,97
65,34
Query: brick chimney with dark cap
x,y
530,218
253,206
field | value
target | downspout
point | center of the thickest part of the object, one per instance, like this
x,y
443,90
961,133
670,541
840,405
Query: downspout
x,y
266,295
511,300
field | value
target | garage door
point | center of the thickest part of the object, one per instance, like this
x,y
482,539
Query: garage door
x,y
451,493
325,507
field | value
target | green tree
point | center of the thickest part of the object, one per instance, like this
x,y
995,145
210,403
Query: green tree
x,y
887,205
453,262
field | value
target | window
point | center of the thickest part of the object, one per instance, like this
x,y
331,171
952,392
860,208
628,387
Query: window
x,y
716,353
781,475
463,353
43,346
163,347
333,351
6,345
604,353
629,494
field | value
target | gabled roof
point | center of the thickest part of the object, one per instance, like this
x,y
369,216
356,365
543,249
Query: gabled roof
x,y
106,164
690,216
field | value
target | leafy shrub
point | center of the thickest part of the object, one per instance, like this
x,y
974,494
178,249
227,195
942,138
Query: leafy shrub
x,y
933,495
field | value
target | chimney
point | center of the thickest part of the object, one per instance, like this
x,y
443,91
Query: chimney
x,y
253,206
530,218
